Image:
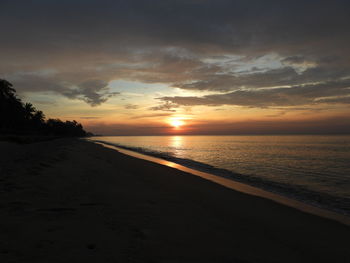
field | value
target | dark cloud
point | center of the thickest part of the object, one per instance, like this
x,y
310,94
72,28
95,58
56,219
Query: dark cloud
x,y
131,107
166,106
342,100
226,82
292,96
232,25
93,92
294,60
184,43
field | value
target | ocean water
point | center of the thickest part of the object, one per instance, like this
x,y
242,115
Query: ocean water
x,y
313,169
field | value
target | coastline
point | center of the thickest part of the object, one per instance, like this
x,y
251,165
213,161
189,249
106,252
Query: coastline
x,y
72,200
331,206
237,186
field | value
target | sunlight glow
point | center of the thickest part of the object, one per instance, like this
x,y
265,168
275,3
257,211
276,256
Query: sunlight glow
x,y
176,123
176,142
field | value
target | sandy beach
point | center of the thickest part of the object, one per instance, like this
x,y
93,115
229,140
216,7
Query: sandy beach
x,y
68,200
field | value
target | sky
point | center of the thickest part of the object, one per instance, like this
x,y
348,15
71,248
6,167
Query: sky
x,y
182,66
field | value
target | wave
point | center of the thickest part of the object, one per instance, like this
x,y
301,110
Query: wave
x,y
326,201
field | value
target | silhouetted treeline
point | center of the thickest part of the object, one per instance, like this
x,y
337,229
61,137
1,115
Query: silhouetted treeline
x,y
17,117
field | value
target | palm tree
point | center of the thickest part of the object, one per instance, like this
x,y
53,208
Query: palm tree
x,y
11,107
38,117
29,111
19,118
6,90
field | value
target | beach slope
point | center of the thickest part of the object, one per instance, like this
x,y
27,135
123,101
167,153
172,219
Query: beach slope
x,y
69,200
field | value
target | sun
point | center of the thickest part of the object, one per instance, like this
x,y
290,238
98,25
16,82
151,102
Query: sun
x,y
176,123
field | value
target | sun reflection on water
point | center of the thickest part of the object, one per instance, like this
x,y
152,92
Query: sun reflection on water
x,y
176,142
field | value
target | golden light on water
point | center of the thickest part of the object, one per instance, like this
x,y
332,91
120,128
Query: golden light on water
x,y
176,142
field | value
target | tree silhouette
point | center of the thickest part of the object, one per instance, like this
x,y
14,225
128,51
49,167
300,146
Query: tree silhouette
x,y
6,90
19,118
11,107
38,120
29,110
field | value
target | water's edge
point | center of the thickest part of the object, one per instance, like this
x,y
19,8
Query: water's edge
x,y
322,201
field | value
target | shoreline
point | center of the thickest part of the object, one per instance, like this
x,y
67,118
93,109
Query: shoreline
x,y
69,200
237,186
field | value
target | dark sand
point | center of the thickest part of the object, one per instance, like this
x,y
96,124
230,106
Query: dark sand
x,y
74,201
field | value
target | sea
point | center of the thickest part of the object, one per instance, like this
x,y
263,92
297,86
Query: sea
x,y
311,169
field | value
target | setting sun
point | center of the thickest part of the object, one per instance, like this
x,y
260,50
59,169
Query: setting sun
x,y
176,123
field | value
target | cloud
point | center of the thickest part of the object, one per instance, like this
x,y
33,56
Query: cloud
x,y
230,25
292,96
342,100
152,115
89,118
226,82
131,107
221,46
93,92
166,106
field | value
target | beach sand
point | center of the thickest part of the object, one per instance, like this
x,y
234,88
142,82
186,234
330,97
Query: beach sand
x,y
69,200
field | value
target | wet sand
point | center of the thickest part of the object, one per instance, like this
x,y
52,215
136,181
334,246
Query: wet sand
x,y
68,200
